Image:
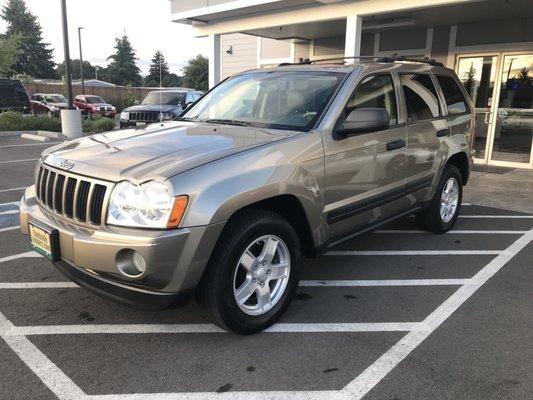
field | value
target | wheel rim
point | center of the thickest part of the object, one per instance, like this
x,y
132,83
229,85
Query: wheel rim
x,y
261,275
449,200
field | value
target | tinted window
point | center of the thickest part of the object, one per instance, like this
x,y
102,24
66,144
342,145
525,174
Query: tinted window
x,y
375,92
420,97
452,94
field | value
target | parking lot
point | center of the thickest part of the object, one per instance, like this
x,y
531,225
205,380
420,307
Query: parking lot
x,y
398,314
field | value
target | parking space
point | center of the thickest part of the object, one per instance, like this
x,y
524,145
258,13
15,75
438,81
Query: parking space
x,y
395,314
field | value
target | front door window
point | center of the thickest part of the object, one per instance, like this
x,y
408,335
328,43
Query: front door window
x,y
514,121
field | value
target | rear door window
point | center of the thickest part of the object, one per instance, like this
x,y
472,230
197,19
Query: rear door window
x,y
455,101
421,98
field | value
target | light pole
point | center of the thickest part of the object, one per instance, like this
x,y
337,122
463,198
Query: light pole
x,y
81,62
68,75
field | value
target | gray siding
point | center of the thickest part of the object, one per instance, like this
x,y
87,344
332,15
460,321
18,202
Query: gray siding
x,y
244,53
402,40
494,32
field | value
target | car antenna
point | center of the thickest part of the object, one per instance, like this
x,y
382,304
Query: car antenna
x,y
160,93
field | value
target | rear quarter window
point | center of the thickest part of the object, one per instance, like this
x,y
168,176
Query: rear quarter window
x,y
455,100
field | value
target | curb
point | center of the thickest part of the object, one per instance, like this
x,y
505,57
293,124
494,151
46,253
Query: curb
x,y
47,134
35,137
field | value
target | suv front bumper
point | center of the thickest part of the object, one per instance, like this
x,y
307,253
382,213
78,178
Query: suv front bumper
x,y
175,259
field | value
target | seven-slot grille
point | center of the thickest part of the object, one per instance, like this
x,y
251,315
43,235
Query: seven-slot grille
x,y
144,116
70,196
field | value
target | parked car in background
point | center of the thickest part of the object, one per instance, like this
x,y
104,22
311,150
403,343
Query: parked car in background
x,y
169,103
50,104
13,96
93,106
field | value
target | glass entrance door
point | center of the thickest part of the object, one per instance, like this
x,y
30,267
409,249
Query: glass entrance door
x,y
501,87
513,128
478,74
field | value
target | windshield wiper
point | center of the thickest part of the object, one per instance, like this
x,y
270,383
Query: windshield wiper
x,y
226,122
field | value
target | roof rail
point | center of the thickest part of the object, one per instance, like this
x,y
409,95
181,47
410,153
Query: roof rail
x,y
303,61
386,59
424,60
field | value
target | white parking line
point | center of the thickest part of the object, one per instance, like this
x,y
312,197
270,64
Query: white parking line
x,y
9,228
497,216
209,328
391,282
11,203
9,212
23,160
361,385
12,190
458,232
28,254
37,285
412,252
29,144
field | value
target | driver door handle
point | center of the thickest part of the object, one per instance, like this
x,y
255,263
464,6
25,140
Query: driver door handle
x,y
395,145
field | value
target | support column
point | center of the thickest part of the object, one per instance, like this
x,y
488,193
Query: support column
x,y
352,47
214,60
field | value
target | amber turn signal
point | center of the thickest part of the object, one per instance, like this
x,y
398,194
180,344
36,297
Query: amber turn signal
x,y
178,209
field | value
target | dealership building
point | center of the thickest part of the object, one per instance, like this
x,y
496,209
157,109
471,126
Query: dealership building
x,y
488,43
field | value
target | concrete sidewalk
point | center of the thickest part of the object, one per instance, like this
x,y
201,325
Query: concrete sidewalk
x,y
506,188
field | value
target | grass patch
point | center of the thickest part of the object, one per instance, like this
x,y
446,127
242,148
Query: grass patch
x,y
98,125
14,121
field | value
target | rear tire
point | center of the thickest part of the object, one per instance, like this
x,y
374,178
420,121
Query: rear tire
x,y
246,288
444,208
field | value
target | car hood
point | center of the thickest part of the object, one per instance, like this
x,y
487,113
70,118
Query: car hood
x,y
154,151
142,108
98,104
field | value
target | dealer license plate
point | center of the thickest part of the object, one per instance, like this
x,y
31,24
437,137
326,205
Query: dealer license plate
x,y
45,241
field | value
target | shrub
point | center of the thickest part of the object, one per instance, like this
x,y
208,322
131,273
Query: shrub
x,y
98,125
14,121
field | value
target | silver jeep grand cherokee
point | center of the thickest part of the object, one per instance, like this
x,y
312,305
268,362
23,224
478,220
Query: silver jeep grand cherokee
x,y
269,166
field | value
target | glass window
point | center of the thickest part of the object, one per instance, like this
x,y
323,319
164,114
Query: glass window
x,y
375,92
452,94
421,97
279,99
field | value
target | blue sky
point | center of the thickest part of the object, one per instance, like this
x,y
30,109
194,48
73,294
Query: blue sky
x,y
146,22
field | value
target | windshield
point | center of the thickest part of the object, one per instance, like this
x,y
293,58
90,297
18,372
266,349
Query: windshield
x,y
164,98
94,100
55,98
277,99
11,96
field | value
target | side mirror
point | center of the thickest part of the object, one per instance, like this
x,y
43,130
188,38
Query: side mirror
x,y
186,105
363,120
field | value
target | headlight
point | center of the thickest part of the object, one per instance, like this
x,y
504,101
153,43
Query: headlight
x,y
150,205
124,115
167,116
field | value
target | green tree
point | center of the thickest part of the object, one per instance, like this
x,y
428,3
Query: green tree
x,y
158,61
172,80
196,73
122,69
9,54
88,69
35,57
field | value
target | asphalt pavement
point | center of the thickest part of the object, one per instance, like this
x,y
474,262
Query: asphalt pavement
x,y
398,314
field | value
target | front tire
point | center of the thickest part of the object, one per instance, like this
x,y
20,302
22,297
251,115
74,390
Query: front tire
x,y
444,208
253,272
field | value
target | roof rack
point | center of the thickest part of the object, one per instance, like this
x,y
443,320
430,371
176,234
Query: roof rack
x,y
386,59
424,60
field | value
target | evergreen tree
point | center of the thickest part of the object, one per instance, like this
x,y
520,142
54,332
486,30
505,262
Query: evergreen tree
x,y
88,69
172,80
35,58
122,69
152,79
9,54
196,73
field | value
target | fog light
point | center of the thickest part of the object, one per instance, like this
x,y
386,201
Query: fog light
x,y
139,263
131,263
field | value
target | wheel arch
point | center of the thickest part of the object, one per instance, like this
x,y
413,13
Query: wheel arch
x,y
460,160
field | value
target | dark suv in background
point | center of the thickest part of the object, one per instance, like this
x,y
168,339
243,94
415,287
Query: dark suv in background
x,y
170,103
13,96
